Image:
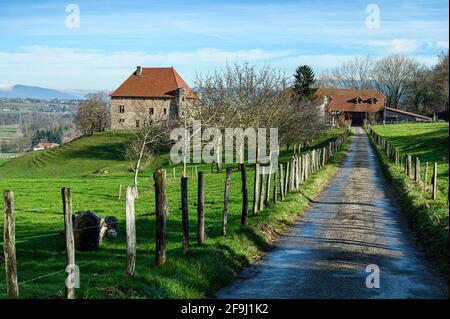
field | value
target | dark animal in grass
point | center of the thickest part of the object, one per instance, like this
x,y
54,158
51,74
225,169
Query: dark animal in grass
x,y
90,229
111,224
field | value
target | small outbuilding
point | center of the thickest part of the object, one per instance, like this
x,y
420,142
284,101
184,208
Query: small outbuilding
x,y
44,146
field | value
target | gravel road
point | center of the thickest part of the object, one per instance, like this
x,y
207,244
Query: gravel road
x,y
354,223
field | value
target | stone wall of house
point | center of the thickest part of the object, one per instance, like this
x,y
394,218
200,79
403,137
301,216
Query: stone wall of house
x,y
138,110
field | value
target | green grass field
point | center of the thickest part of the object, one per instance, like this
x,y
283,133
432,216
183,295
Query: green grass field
x,y
6,157
429,142
36,179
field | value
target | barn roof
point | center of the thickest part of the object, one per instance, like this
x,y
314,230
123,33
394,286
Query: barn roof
x,y
153,82
346,99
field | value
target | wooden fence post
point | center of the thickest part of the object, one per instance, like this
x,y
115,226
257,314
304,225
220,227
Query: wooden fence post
x,y
130,222
409,166
307,166
201,208
434,181
314,160
294,173
9,246
267,191
244,213
286,179
261,188
405,160
324,156
161,216
302,169
281,182
70,242
119,196
425,178
417,170
275,185
225,200
256,189
185,214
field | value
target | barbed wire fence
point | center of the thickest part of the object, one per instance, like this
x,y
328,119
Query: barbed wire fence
x,y
298,170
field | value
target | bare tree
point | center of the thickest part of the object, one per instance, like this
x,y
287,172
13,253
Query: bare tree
x,y
303,121
440,81
354,74
93,115
242,96
420,95
146,141
149,136
392,75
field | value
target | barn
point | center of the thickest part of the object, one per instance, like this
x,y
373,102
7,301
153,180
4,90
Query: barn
x,y
353,105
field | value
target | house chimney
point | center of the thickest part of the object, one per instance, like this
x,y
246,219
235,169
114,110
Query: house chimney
x,y
138,70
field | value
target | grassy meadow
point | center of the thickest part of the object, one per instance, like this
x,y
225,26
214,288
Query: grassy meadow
x,y
430,143
36,179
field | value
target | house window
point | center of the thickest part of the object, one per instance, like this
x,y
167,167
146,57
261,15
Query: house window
x,y
165,111
121,108
121,120
138,123
151,111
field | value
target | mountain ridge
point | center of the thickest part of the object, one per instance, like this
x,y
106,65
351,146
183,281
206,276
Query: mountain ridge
x,y
35,92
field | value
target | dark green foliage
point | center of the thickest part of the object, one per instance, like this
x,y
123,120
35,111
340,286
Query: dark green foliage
x,y
304,82
53,135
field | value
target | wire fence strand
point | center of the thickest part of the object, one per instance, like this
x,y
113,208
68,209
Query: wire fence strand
x,y
60,271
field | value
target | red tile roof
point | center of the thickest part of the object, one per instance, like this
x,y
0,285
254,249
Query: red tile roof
x,y
46,145
344,99
153,82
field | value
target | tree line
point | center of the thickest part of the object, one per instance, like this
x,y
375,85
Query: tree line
x,y
406,83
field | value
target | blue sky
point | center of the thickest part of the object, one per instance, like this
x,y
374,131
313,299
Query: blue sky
x,y
36,47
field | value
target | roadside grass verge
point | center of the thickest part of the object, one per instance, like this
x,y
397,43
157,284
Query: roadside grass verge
x,y
429,218
200,274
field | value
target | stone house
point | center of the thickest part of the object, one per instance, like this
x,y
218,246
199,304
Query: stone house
x,y
156,94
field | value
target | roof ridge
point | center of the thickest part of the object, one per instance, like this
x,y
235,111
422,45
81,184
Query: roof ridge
x,y
174,72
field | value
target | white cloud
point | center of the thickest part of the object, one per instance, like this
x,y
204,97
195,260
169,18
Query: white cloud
x,y
442,45
317,61
407,46
6,87
85,58
67,68
400,46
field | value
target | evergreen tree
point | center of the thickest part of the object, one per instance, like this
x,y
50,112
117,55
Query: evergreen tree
x,y
304,82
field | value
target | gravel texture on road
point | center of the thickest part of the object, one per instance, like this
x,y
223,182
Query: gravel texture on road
x,y
353,223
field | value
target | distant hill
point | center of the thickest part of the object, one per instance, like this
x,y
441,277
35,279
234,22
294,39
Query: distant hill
x,y
34,92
